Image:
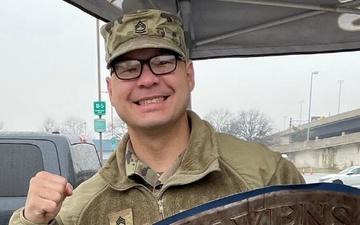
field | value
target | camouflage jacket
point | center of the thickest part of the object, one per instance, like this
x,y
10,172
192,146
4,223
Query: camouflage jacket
x,y
214,165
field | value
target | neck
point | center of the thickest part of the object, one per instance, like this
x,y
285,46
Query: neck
x,y
160,147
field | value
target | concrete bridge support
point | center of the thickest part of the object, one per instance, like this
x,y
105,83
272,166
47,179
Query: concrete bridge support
x,y
338,152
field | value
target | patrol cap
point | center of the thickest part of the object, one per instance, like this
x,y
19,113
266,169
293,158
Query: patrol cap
x,y
147,28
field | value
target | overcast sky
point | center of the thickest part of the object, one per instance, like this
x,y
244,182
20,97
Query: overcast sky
x,y
48,68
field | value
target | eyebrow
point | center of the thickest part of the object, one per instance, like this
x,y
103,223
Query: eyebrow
x,y
161,52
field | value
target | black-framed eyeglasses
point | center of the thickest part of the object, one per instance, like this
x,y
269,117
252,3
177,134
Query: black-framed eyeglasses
x,y
132,68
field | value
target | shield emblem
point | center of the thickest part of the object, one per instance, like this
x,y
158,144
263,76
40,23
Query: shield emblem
x,y
319,203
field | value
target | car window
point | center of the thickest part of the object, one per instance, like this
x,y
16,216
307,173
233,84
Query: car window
x,y
85,161
23,161
357,171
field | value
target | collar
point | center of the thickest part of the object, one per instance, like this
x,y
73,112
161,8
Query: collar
x,y
137,169
199,158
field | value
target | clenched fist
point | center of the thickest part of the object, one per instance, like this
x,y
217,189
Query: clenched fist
x,y
46,194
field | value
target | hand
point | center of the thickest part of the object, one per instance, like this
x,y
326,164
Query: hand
x,y
46,194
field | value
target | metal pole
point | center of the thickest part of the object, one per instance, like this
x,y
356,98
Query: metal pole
x,y
340,83
309,114
99,83
290,125
112,115
301,102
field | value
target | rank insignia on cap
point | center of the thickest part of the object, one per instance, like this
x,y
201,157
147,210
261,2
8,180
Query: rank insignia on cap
x,y
140,27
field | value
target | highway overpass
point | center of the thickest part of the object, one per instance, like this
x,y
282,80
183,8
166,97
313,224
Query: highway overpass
x,y
333,142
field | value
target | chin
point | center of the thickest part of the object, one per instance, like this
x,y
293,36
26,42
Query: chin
x,y
153,124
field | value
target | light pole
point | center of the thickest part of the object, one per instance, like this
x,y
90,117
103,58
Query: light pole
x,y
290,125
111,115
309,115
340,83
99,82
301,102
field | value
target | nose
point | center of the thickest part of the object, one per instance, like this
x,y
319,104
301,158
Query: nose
x,y
147,78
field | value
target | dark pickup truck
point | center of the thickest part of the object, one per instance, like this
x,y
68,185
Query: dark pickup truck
x,y
22,155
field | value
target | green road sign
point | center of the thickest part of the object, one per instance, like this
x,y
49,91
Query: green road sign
x,y
100,125
99,108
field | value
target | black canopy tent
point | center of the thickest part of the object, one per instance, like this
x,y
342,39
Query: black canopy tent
x,y
246,28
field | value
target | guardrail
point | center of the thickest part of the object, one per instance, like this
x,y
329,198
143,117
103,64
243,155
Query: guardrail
x,y
347,139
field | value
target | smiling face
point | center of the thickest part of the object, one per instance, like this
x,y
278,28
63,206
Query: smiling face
x,y
152,101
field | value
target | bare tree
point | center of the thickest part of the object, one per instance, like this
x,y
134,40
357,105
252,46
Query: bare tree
x,y
220,119
50,125
74,125
248,125
117,128
251,125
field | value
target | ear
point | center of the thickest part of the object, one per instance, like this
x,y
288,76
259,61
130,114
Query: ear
x,y
190,74
109,86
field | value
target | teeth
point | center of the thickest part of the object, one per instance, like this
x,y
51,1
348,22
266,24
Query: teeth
x,y
151,101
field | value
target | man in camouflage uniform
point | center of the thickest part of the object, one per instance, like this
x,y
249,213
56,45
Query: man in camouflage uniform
x,y
170,160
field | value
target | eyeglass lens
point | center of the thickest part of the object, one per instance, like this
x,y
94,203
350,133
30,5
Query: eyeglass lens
x,y
159,65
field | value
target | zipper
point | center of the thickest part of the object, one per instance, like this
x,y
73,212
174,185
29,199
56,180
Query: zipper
x,y
161,208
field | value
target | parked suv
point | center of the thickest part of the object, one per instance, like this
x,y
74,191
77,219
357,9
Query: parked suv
x,y
25,154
